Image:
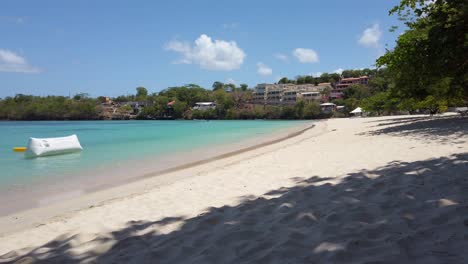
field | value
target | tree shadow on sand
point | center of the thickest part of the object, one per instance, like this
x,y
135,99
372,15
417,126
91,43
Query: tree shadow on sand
x,y
443,129
403,212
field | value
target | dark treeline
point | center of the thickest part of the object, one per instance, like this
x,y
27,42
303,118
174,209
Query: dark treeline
x,y
231,103
329,77
28,107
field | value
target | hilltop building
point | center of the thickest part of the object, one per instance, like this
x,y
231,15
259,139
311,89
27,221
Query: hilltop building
x,y
339,87
284,94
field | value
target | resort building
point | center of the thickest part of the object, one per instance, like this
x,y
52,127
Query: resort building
x,y
309,96
281,94
274,95
344,83
204,105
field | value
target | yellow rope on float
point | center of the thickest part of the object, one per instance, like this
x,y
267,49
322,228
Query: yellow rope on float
x,y
19,149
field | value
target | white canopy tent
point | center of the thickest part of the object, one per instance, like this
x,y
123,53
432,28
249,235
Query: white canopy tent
x,y
357,111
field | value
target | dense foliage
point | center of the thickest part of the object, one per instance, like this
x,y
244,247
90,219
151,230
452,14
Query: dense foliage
x,y
428,66
329,77
28,107
171,103
231,103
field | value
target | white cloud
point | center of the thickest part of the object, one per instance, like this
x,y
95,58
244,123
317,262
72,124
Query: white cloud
x,y
282,57
263,69
12,62
371,36
306,55
211,55
339,71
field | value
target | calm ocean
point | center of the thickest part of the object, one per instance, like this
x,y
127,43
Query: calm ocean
x,y
107,143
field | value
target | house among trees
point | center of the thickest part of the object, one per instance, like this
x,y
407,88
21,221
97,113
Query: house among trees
x,y
338,91
328,108
137,107
105,100
204,106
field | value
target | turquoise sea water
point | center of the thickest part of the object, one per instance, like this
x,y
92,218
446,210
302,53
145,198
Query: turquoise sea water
x,y
110,142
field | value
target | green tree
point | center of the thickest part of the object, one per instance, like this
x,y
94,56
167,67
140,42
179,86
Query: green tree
x,y
179,109
430,57
141,94
283,80
433,105
376,103
81,96
217,86
332,78
357,91
408,104
301,79
311,110
272,112
299,109
288,112
309,79
259,112
351,73
380,82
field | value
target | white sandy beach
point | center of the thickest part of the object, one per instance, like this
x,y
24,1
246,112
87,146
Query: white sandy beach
x,y
364,190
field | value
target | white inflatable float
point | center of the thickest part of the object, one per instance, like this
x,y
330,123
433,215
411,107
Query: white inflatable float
x,y
38,147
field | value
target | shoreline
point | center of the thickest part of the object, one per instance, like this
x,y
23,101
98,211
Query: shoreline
x,y
56,204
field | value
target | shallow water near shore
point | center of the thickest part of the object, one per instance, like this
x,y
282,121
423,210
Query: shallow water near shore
x,y
114,151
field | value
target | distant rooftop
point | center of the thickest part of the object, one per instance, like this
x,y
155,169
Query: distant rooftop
x,y
204,103
355,78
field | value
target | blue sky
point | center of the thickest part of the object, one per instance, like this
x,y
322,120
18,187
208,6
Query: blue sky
x,y
110,47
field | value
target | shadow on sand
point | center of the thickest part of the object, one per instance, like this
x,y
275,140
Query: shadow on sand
x,y
401,213
443,129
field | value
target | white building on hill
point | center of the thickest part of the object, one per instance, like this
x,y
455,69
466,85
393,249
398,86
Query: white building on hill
x,y
275,94
204,106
